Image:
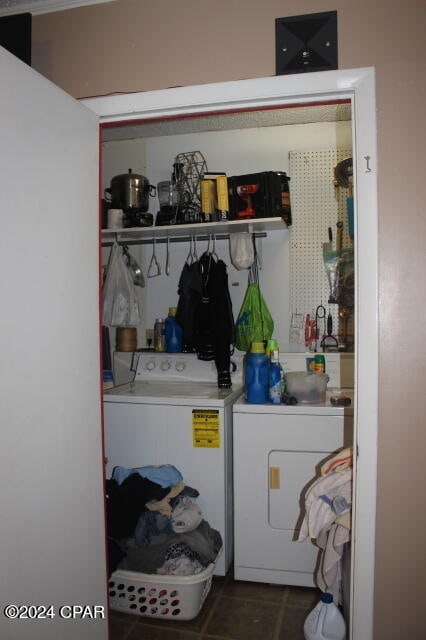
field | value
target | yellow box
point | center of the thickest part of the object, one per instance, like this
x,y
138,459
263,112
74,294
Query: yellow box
x,y
207,204
222,197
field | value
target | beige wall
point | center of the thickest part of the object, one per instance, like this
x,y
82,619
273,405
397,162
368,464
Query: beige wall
x,y
130,45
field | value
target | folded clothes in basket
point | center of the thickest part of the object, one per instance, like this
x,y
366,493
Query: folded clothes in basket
x,y
166,475
157,526
204,544
127,501
181,566
186,515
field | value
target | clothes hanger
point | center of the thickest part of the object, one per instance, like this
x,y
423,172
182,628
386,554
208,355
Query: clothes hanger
x,y
154,268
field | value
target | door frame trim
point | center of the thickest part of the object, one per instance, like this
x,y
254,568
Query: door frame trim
x,y
359,86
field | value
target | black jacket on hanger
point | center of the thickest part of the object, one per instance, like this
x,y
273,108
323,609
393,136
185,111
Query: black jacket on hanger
x,y
204,312
214,321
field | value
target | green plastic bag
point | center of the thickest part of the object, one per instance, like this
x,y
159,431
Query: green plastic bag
x,y
254,322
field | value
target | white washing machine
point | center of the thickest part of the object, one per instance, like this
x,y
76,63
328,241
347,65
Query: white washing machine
x,y
174,413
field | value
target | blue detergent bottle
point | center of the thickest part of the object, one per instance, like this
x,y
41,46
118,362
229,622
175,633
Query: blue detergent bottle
x,y
173,333
257,375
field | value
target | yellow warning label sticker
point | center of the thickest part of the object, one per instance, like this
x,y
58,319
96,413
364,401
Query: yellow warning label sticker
x,y
205,428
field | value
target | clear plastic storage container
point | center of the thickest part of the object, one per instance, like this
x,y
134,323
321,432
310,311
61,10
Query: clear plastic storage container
x,y
307,387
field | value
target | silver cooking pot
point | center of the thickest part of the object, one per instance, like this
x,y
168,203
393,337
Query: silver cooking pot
x,y
130,191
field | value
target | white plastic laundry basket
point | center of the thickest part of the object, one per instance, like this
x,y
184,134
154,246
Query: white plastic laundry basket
x,y
156,596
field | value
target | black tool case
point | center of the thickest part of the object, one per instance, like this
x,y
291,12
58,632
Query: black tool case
x,y
272,198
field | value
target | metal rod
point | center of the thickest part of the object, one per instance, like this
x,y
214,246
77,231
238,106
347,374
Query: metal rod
x,y
222,236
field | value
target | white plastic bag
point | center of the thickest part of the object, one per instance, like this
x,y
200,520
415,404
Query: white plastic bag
x,y
120,307
242,250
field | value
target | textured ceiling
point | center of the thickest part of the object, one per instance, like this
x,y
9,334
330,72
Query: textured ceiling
x,y
42,6
227,122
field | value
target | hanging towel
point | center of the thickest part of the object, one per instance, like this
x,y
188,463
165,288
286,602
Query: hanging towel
x,y
328,573
319,512
342,460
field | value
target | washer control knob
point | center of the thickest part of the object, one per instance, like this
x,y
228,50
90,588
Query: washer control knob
x,y
150,365
180,365
165,365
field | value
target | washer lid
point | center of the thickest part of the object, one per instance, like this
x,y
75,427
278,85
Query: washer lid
x,y
173,392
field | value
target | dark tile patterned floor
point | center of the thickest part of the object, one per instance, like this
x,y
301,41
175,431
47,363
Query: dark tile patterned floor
x,y
233,610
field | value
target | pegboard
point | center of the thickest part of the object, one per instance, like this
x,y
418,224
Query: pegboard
x,y
316,204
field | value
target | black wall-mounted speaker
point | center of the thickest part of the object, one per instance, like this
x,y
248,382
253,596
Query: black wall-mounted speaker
x,y
15,35
306,43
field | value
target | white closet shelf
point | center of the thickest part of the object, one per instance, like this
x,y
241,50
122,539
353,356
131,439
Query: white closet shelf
x,y
147,234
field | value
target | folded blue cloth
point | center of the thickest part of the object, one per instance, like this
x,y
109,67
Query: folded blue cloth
x,y
166,475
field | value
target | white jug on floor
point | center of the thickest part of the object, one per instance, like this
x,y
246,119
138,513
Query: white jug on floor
x,y
325,622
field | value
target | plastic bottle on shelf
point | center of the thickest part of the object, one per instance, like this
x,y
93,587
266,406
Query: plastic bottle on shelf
x,y
319,363
173,332
270,346
257,375
159,337
325,621
108,379
275,389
